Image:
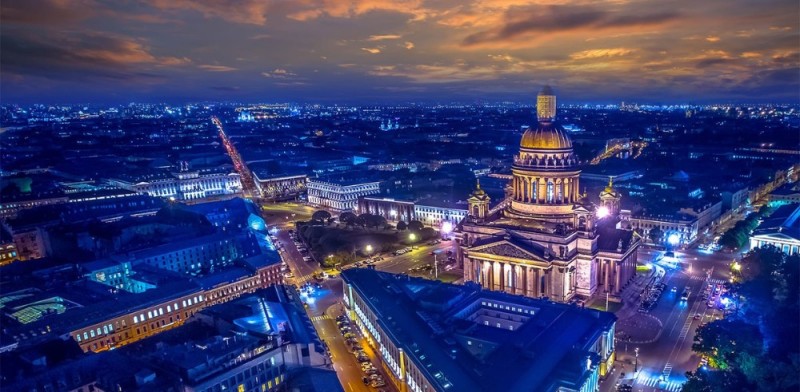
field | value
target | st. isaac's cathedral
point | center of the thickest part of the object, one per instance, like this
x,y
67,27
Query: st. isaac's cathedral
x,y
547,239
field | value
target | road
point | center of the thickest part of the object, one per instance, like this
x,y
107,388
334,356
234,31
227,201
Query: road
x,y
664,360
249,189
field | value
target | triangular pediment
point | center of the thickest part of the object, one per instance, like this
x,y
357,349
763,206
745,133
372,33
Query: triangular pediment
x,y
505,248
775,235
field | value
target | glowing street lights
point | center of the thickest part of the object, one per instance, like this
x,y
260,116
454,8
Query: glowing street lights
x,y
674,239
412,237
393,214
368,248
447,228
603,212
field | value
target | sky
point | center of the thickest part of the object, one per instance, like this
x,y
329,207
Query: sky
x,y
384,51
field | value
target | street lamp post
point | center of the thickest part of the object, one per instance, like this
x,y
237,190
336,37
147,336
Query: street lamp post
x,y
368,249
636,366
412,237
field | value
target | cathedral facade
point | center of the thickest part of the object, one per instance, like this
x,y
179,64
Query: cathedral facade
x,y
546,239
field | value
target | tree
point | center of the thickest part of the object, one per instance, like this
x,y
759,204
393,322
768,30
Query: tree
x,y
415,225
347,218
375,221
401,226
320,216
655,235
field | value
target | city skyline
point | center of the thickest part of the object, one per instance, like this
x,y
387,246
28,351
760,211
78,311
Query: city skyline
x,y
389,52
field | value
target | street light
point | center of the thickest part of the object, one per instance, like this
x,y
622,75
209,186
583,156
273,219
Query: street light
x,y
368,248
412,237
603,212
447,227
736,266
393,213
674,239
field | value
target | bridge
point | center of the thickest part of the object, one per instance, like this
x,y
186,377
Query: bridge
x,y
617,146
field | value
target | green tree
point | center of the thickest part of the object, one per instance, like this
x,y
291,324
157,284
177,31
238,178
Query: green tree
x,y
401,226
655,235
415,225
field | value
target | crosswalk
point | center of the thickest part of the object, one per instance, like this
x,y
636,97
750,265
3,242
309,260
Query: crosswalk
x,y
711,281
658,383
686,327
320,318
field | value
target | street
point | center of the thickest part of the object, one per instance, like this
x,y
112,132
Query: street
x,y
663,336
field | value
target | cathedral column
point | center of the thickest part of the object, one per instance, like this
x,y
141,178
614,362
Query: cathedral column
x,y
617,273
536,281
519,288
541,190
501,282
567,193
528,189
529,291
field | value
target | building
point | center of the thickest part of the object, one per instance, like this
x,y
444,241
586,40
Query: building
x,y
433,212
255,343
788,193
548,240
341,192
433,336
186,185
281,187
390,209
781,229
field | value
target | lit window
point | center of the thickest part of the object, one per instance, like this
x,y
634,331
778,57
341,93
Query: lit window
x,y
135,319
169,308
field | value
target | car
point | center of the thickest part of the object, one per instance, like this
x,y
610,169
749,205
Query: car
x,y
365,380
377,384
363,358
375,377
697,316
674,289
371,371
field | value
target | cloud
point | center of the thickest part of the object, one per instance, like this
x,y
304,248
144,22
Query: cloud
x,y
46,12
372,50
408,45
216,68
598,53
712,38
278,73
78,55
314,9
384,37
237,11
541,21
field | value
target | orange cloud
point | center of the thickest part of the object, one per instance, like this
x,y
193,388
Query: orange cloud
x,y
216,68
372,50
598,53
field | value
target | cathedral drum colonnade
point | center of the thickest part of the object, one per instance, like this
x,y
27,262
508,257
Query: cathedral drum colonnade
x,y
550,240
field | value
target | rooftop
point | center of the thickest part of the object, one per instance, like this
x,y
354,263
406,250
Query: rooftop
x,y
467,339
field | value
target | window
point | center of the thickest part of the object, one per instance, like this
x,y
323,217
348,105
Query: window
x,y
135,319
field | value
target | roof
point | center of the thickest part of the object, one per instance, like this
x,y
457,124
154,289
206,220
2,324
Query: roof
x,y
433,323
784,222
546,136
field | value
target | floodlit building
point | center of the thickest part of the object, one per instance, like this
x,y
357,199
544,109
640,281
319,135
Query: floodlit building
x,y
186,185
340,192
433,336
781,229
546,239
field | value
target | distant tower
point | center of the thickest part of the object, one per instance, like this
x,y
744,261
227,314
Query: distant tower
x,y
610,198
546,105
478,202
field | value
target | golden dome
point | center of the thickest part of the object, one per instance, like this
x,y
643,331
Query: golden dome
x,y
546,136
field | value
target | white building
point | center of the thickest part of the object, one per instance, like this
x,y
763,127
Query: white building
x,y
781,229
340,194
432,213
187,185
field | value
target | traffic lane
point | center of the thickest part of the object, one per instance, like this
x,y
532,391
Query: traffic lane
x,y
347,368
415,258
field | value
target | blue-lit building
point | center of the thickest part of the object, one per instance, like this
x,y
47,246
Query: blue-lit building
x,y
434,336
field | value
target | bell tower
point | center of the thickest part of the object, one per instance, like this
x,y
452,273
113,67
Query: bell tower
x,y
610,198
478,203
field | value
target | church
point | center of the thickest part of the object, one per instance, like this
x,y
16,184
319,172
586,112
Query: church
x,y
546,239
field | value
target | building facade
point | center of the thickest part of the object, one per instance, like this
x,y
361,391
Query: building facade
x,y
549,241
187,185
339,194
434,215
281,187
390,209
